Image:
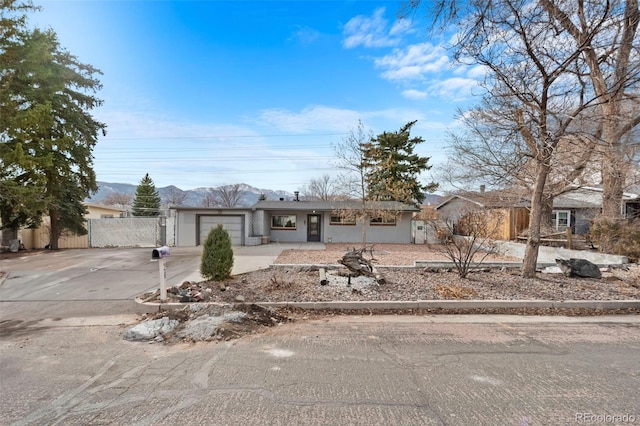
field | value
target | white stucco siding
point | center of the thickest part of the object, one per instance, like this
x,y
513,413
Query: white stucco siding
x,y
400,233
299,234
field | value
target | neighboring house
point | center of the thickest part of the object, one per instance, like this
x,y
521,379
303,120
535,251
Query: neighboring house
x,y
509,208
295,221
39,237
99,211
574,209
577,208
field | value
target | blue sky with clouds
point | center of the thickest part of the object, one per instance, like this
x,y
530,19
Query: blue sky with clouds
x,y
205,93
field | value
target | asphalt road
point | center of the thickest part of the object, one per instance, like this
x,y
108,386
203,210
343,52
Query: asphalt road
x,y
378,370
72,283
63,360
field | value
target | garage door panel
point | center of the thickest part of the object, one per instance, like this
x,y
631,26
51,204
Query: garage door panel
x,y
232,224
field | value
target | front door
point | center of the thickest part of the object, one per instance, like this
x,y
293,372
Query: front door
x,y
313,227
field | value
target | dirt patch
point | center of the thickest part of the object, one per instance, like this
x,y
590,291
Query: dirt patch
x,y
4,255
220,323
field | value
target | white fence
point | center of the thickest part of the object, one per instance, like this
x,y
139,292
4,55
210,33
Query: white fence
x,y
131,232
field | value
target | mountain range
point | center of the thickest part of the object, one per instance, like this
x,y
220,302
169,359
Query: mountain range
x,y
248,195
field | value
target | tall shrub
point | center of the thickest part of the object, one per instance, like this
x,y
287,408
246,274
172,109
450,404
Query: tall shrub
x,y
617,237
217,255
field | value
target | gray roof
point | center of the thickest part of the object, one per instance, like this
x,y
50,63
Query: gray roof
x,y
492,199
332,205
578,198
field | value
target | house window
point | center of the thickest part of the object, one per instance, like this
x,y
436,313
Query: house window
x,y
340,220
561,219
106,216
283,221
389,221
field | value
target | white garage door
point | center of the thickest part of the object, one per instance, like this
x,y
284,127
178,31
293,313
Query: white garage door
x,y
232,224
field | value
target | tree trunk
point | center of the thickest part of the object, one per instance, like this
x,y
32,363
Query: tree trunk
x,y
547,210
55,229
365,219
8,234
613,179
538,202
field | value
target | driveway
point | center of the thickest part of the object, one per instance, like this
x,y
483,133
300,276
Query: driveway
x,y
87,282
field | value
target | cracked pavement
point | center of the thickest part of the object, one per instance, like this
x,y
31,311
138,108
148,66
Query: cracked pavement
x,y
360,370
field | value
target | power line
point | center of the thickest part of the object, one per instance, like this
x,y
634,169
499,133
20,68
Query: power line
x,y
222,136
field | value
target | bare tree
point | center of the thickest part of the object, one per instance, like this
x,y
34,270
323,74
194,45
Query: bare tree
x,y
227,195
118,199
175,197
209,199
352,161
534,83
470,244
606,34
322,189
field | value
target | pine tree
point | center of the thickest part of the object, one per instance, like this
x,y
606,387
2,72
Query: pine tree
x,y
217,256
48,133
393,167
147,201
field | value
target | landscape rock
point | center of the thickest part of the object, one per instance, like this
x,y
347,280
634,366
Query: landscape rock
x,y
149,330
579,268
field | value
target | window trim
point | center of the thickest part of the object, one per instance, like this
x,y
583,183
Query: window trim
x,y
342,221
555,218
285,228
383,221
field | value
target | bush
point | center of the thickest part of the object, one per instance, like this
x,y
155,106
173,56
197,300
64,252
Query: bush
x,y
617,237
470,250
217,255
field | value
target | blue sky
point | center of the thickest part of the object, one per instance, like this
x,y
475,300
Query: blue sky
x,y
205,93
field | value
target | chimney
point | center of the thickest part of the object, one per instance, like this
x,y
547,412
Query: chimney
x,y
482,188
296,194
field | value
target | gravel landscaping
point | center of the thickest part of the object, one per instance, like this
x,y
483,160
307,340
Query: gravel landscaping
x,y
295,278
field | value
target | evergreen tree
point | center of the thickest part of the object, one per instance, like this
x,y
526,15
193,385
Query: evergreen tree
x,y
393,167
147,201
46,130
217,256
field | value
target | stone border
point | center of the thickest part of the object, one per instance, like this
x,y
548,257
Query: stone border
x,y
150,307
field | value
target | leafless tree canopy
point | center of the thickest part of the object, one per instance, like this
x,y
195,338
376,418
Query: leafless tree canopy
x,y
118,199
552,66
175,197
324,188
224,196
353,182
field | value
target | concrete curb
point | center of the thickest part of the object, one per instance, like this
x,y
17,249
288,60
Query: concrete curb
x,y
149,307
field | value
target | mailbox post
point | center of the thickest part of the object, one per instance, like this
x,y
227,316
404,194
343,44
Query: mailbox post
x,y
159,254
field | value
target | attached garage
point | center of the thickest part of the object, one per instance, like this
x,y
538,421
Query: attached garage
x,y
231,223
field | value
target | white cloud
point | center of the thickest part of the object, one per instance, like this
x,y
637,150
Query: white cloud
x,y
305,35
401,26
138,125
414,94
456,88
372,31
310,119
477,72
413,62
